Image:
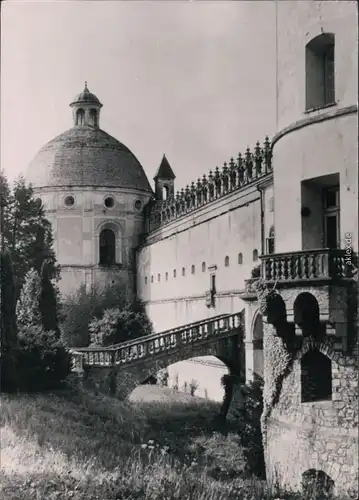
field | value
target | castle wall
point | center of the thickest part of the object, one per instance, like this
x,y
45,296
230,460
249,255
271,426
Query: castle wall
x,y
227,227
314,143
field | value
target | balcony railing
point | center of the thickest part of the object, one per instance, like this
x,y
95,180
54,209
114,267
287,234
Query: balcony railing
x,y
159,343
309,265
234,175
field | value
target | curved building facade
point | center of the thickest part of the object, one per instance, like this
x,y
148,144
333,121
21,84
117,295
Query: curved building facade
x,y
94,191
310,422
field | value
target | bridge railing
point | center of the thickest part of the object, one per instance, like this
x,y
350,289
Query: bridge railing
x,y
155,344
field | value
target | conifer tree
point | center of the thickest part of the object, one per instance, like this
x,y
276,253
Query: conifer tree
x,y
28,304
27,233
48,300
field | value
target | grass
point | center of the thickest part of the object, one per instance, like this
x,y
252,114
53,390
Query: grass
x,y
81,446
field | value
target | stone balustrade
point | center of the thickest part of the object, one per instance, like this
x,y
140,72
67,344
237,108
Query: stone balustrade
x,y
234,175
307,265
152,345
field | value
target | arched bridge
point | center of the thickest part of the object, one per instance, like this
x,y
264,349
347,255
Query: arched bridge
x,y
119,369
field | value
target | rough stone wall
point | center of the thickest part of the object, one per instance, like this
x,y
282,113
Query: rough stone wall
x,y
320,435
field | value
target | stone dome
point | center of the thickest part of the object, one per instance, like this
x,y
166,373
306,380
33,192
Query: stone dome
x,y
86,156
86,97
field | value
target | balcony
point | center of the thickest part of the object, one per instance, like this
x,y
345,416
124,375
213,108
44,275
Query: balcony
x,y
323,265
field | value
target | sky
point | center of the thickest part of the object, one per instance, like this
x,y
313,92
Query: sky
x,y
192,79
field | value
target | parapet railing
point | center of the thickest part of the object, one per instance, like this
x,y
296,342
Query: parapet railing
x,y
234,175
307,265
152,345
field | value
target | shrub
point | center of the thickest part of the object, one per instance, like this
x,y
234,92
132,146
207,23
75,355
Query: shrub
x,y
193,386
118,325
162,377
256,271
81,307
223,455
43,362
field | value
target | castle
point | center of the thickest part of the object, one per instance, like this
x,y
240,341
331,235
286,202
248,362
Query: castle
x,y
288,207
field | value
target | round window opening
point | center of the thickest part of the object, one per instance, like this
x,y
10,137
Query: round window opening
x,y
69,201
138,205
38,202
109,202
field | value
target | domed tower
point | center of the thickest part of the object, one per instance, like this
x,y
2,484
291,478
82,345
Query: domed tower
x,y
310,417
93,190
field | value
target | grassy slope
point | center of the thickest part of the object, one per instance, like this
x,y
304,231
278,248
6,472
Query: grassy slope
x,y
81,446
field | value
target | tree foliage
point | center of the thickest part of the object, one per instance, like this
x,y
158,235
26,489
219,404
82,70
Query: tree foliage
x,y
84,305
43,361
26,232
27,307
48,300
9,341
118,325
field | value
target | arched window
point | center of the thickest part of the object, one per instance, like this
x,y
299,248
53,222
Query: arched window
x,y
319,71
317,484
80,117
307,314
107,247
166,276
193,269
226,261
255,255
93,117
145,280
165,192
203,267
183,271
158,277
316,377
152,279
174,273
240,258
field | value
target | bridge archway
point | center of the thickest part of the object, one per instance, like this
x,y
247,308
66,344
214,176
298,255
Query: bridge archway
x,y
199,376
257,339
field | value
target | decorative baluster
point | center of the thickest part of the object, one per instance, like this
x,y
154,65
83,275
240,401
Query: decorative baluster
x,y
199,192
258,160
204,189
210,186
217,182
248,164
313,266
267,155
306,266
232,175
282,269
241,170
225,183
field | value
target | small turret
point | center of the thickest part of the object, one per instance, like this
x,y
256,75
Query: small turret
x,y
86,109
164,180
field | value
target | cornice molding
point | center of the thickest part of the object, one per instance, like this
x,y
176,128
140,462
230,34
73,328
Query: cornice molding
x,y
311,120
